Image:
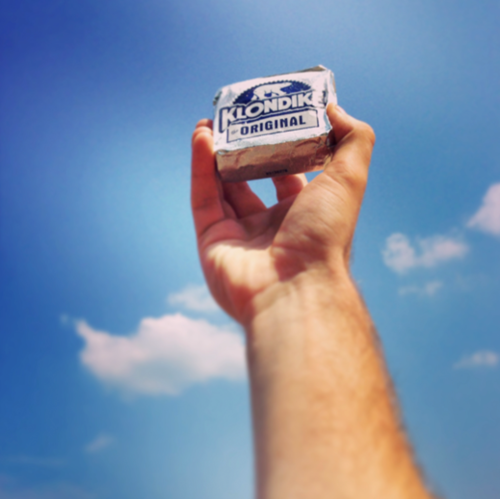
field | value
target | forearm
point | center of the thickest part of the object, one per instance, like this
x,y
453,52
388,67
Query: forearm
x,y
326,425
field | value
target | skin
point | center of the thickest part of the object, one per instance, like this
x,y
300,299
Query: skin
x,y
326,424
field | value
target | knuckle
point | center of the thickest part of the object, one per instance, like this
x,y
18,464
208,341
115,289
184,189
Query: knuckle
x,y
200,130
203,202
356,179
370,134
195,135
351,174
365,133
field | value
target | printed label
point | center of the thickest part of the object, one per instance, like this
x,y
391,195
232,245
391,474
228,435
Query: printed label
x,y
269,108
274,124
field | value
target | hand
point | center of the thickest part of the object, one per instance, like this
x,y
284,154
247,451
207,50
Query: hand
x,y
246,248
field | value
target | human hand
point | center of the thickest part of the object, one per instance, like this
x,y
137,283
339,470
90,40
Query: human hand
x,y
246,248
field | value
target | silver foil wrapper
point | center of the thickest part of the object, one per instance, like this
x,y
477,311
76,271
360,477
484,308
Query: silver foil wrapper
x,y
273,126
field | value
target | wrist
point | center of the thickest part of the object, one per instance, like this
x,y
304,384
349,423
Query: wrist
x,y
319,289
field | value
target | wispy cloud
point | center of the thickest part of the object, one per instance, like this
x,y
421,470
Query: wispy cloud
x,y
482,358
11,489
164,356
401,256
194,297
99,443
428,289
487,218
42,462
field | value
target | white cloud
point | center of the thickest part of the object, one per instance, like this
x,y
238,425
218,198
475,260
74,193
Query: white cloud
x,y
428,289
487,218
99,443
400,256
164,356
193,297
483,358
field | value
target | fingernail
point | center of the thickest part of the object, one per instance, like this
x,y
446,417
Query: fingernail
x,y
341,109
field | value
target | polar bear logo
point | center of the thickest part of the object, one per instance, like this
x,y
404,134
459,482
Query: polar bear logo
x,y
269,91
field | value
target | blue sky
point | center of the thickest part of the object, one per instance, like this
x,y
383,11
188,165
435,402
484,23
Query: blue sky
x,y
119,378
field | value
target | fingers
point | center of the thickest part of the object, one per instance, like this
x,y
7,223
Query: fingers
x,y
206,201
205,122
354,144
242,199
289,185
245,202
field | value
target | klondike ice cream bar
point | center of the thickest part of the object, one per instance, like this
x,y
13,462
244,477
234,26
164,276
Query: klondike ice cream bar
x,y
273,126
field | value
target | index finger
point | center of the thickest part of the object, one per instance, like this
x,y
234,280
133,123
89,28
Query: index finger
x,y
206,201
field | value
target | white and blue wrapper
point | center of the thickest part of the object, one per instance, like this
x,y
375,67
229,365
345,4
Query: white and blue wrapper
x,y
273,126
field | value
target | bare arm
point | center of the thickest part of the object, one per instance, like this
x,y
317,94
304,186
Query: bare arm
x,y
325,421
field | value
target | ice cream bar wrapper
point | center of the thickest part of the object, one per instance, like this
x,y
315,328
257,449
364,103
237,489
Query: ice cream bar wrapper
x,y
273,126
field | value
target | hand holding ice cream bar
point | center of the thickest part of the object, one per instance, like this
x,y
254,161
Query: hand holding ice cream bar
x,y
273,126
324,414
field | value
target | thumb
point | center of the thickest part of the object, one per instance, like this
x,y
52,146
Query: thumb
x,y
354,141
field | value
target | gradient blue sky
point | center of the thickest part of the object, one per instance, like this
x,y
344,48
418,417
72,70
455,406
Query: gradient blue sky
x,y
98,101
